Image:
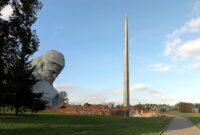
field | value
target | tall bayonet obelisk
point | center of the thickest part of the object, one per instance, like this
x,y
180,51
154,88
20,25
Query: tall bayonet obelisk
x,y
126,65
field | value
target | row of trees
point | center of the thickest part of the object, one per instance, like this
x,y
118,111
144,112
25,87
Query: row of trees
x,y
186,107
161,107
181,107
17,43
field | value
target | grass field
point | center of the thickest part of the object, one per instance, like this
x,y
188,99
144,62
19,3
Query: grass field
x,y
62,124
194,117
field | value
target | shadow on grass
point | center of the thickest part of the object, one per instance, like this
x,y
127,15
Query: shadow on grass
x,y
61,124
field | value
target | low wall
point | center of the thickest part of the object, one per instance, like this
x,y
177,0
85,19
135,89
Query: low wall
x,y
93,110
106,111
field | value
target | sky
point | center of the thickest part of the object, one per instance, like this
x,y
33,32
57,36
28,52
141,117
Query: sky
x,y
164,48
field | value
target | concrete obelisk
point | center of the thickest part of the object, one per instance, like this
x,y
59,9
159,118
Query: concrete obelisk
x,y
126,65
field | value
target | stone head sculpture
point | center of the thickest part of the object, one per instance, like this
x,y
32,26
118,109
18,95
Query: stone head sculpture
x,y
49,65
47,68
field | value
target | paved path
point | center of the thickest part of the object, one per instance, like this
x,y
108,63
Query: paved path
x,y
181,126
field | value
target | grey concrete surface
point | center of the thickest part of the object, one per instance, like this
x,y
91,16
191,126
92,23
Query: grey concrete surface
x,y
181,126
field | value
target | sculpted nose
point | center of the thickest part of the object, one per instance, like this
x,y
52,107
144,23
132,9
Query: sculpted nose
x,y
54,75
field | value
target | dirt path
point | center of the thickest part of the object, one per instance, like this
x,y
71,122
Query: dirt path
x,y
181,126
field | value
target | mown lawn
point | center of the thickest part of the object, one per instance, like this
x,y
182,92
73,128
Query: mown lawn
x,y
62,124
194,117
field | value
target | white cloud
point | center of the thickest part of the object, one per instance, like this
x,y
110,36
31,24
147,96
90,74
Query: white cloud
x,y
96,97
190,49
140,87
6,12
117,91
178,49
191,26
162,67
144,87
136,88
171,46
190,67
64,87
115,95
160,99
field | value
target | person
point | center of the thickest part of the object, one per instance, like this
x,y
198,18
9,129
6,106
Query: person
x,y
46,69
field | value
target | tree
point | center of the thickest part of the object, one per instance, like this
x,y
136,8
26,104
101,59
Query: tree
x,y
111,104
139,106
197,105
3,3
63,98
184,107
24,16
4,36
37,103
22,42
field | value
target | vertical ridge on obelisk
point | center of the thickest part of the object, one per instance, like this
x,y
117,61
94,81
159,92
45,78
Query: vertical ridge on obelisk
x,y
126,65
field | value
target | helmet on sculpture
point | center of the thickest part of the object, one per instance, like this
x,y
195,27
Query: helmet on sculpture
x,y
55,57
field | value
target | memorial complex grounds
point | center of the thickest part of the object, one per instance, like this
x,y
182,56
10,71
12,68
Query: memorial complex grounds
x,y
63,124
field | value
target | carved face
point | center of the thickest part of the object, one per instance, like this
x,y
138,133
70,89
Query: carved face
x,y
49,65
51,71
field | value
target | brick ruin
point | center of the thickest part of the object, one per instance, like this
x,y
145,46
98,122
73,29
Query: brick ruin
x,y
92,110
99,109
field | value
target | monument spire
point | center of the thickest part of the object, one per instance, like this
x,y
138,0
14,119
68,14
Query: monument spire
x,y
126,65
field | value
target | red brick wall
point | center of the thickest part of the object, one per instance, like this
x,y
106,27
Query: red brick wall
x,y
92,110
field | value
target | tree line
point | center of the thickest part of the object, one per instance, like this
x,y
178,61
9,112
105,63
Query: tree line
x,y
18,42
185,107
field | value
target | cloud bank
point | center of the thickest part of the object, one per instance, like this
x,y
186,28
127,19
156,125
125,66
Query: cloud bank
x,y
177,48
160,67
64,87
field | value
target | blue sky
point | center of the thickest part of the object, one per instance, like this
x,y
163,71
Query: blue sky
x,y
164,47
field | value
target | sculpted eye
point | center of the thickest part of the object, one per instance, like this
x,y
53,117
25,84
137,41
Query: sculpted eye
x,y
52,72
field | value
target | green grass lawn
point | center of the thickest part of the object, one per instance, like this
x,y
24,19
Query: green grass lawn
x,y
194,117
62,124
